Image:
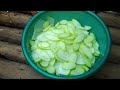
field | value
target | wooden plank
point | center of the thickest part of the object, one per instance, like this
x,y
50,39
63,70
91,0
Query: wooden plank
x,y
15,70
10,34
115,35
12,52
109,71
110,20
14,19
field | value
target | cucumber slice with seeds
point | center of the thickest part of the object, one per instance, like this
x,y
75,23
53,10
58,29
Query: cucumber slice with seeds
x,y
66,48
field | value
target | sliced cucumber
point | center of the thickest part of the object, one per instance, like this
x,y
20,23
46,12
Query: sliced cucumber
x,y
64,35
42,37
51,20
77,71
38,29
50,69
63,55
44,63
50,54
63,22
60,70
46,24
86,50
73,57
31,42
62,45
68,65
76,46
79,38
87,27
76,23
65,48
79,58
52,62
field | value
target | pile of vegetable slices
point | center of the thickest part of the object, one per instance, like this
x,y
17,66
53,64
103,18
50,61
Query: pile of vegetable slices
x,y
65,48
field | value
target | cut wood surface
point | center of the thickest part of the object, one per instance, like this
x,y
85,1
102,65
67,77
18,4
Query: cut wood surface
x,y
12,51
8,34
14,19
110,20
15,70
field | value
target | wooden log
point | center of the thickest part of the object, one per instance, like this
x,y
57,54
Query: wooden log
x,y
114,56
20,19
14,35
115,35
110,20
13,19
3,77
113,13
14,70
109,71
10,34
24,12
12,52
34,12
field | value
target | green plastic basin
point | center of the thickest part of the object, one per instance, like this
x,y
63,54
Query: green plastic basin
x,y
85,18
